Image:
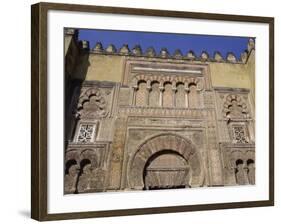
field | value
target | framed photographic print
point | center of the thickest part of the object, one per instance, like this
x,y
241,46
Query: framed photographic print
x,y
138,111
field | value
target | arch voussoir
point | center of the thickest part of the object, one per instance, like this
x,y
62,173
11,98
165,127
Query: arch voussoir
x,y
152,147
161,143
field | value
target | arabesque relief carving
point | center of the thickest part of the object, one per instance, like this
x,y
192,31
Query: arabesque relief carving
x,y
92,104
234,107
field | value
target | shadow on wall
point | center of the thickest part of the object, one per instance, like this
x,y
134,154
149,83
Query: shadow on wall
x,y
24,213
75,69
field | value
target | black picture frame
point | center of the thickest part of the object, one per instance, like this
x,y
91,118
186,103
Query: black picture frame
x,y
39,107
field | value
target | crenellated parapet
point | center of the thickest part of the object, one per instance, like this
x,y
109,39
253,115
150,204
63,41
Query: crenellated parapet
x,y
150,52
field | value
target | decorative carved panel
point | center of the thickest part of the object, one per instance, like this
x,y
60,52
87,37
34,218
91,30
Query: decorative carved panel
x,y
84,167
234,107
193,98
168,95
180,96
154,95
93,104
239,134
163,112
238,160
141,94
86,133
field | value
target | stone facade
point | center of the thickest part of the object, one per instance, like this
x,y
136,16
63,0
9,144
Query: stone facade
x,y
141,121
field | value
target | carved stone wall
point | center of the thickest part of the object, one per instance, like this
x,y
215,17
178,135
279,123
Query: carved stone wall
x,y
86,167
239,163
237,137
163,126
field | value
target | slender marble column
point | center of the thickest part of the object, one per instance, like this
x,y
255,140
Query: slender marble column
x,y
148,89
186,97
161,88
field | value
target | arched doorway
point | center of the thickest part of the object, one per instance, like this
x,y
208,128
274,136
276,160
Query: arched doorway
x,y
147,160
166,170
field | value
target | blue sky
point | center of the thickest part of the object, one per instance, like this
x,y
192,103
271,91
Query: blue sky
x,y
184,42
